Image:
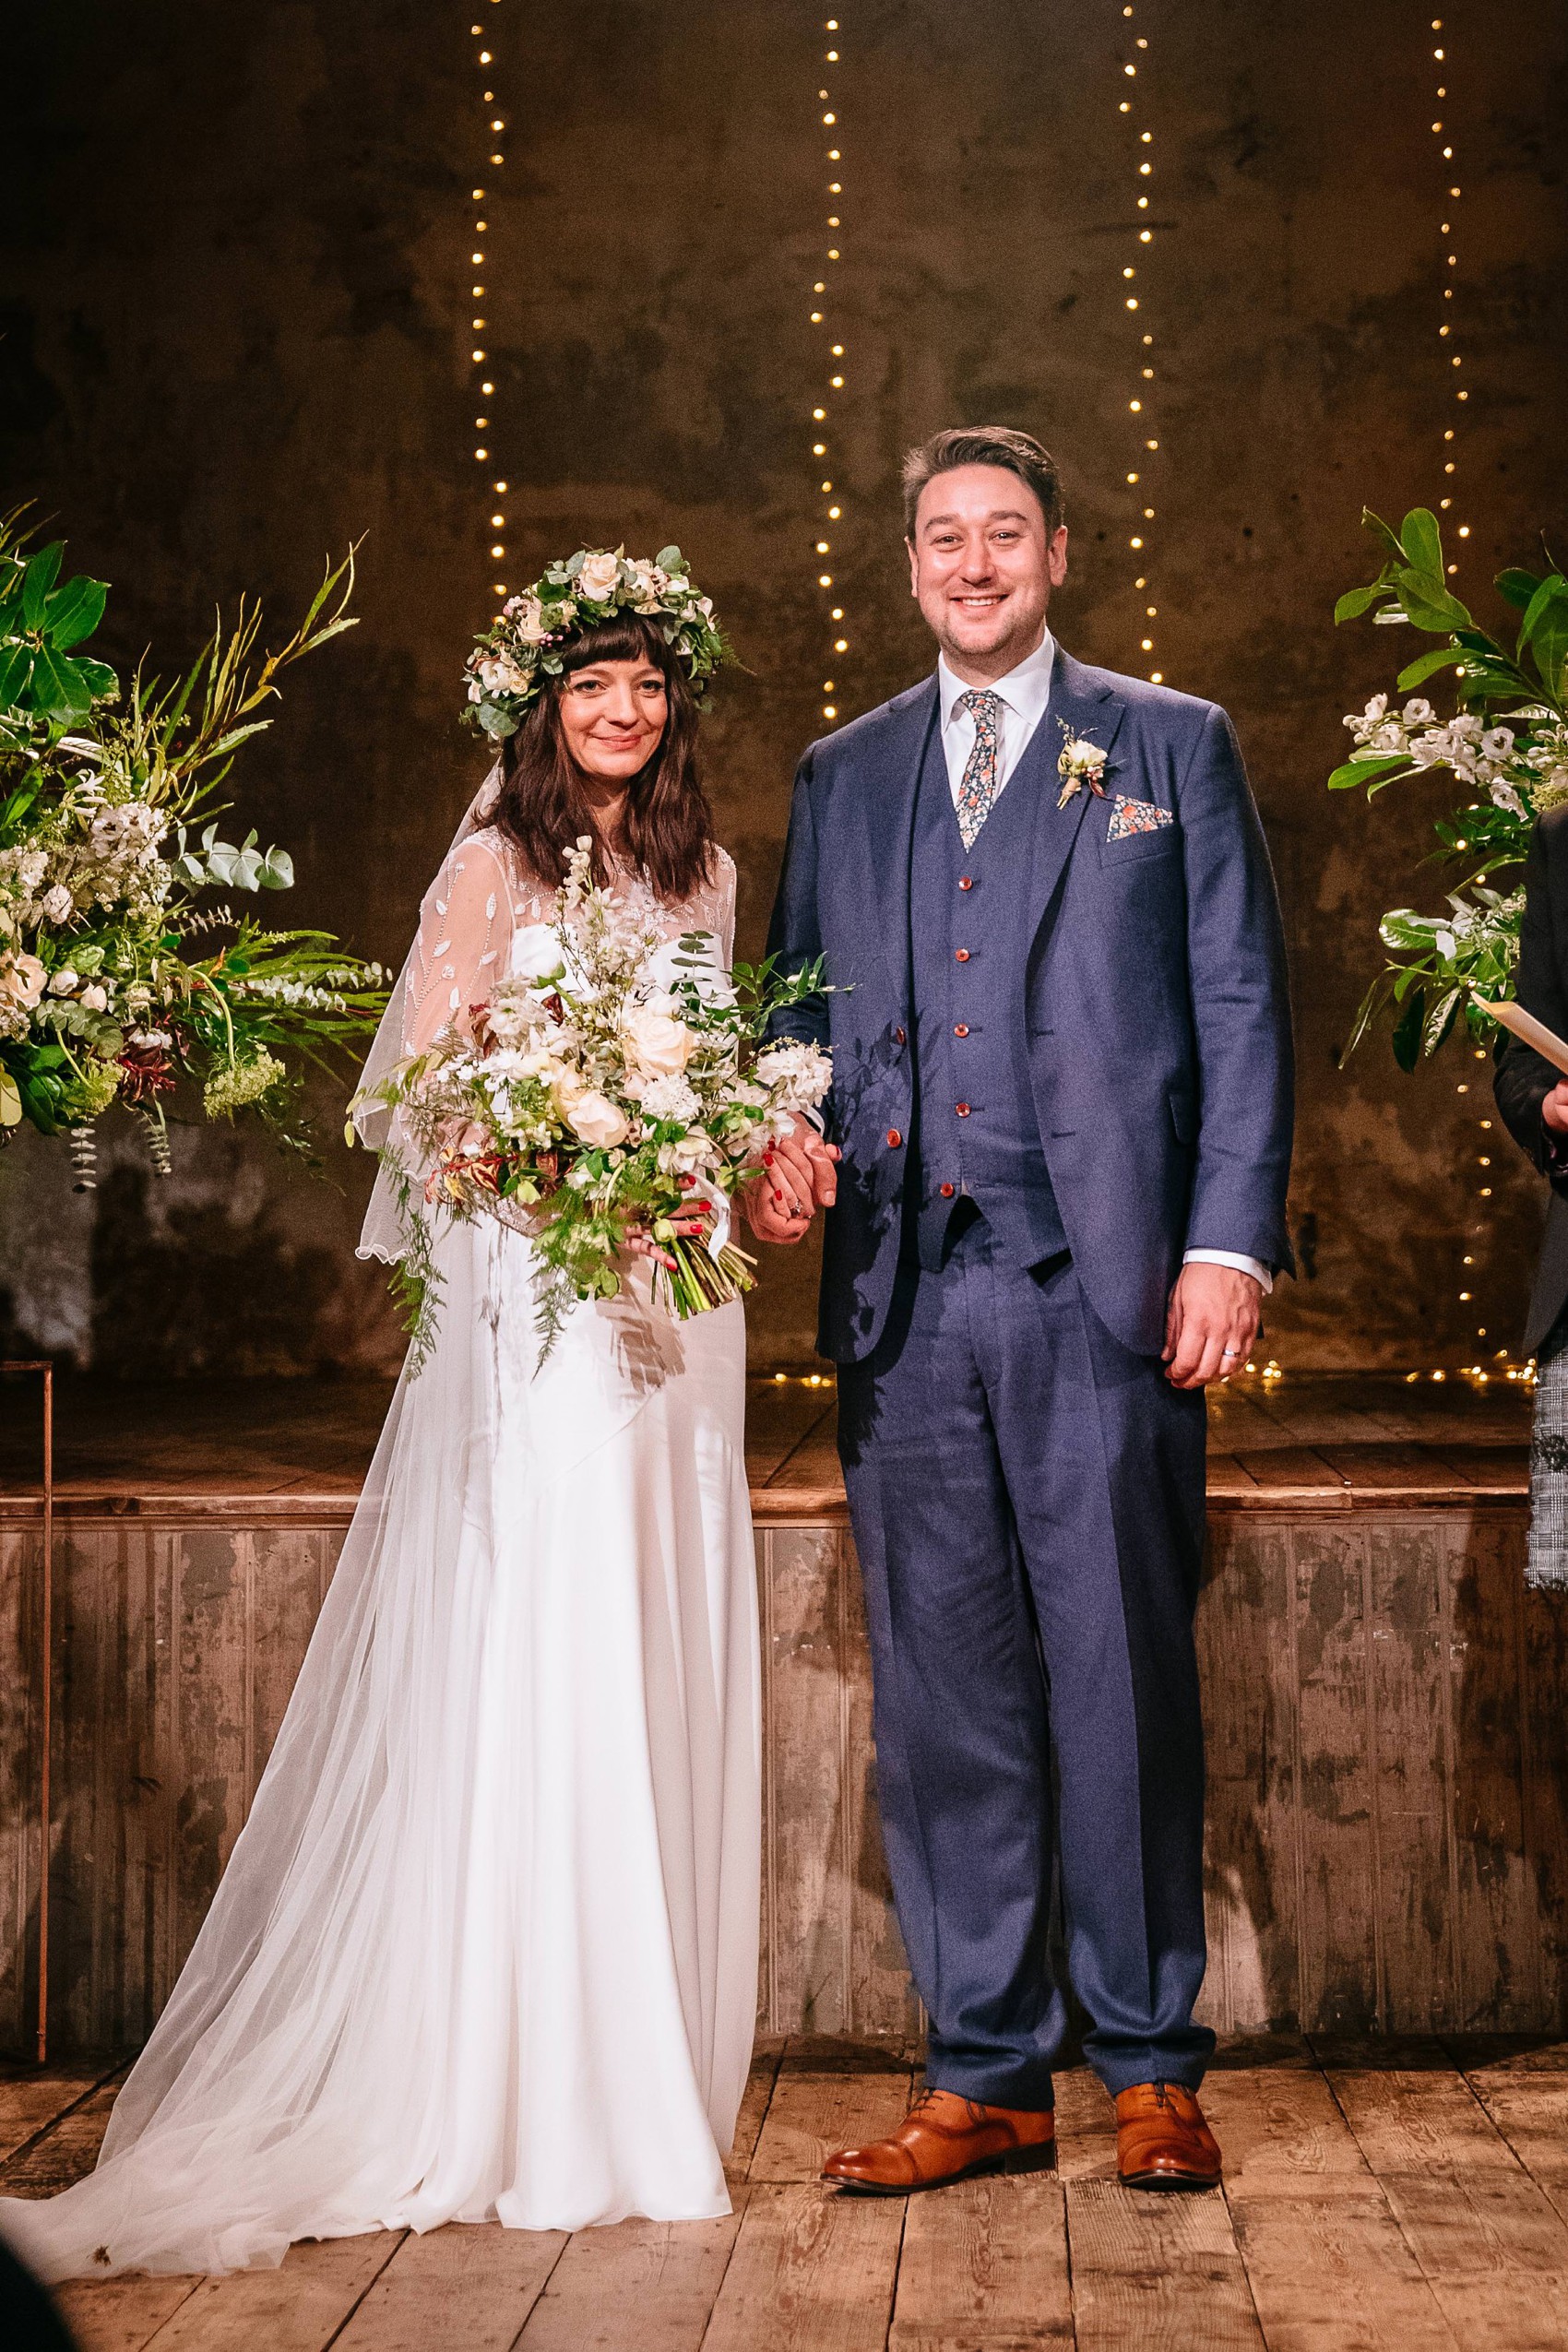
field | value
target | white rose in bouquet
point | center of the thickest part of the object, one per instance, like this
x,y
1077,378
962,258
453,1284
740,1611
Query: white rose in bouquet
x,y
656,1040
597,577
536,955
94,999
56,903
64,980
594,1119
22,978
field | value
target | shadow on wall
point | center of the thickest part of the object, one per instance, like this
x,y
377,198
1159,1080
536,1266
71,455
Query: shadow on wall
x,y
198,1287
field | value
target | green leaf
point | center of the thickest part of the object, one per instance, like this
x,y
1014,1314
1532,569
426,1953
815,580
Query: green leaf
x,y
669,559
1407,1038
73,612
97,677
1439,1020
1355,601
1428,605
1369,772
58,687
1381,532
1425,665
277,871
37,581
1422,543
1545,629
15,669
1517,586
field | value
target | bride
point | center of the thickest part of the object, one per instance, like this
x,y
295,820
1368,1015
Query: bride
x,y
487,1946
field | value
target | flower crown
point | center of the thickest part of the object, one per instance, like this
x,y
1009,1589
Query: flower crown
x,y
523,647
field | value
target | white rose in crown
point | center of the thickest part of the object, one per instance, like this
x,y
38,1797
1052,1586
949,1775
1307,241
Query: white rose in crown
x,y
536,955
527,619
1079,763
594,1119
501,673
656,1039
598,578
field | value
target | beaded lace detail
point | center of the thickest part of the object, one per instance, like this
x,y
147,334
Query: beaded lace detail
x,y
484,895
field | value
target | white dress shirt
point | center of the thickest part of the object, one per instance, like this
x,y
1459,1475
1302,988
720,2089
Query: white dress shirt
x,y
1022,696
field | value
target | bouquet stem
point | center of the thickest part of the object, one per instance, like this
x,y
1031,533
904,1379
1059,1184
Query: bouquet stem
x,y
698,1281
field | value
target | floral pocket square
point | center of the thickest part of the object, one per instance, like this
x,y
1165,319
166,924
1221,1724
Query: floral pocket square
x,y
1135,817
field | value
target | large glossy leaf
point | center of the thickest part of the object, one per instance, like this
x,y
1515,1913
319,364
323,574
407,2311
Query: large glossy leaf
x,y
1383,533
95,676
41,571
1427,604
1369,772
1422,543
57,687
73,612
1439,1020
15,669
1355,601
1517,586
1545,630
1426,665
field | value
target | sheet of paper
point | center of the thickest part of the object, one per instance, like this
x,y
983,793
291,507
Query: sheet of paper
x,y
1530,1032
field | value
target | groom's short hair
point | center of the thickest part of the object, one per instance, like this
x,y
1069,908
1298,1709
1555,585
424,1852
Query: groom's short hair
x,y
983,444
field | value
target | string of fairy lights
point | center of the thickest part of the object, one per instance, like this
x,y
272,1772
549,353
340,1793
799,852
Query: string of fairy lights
x,y
494,146
825,319
1140,403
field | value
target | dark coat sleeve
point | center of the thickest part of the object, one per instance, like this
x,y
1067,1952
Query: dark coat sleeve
x,y
1523,1078
794,935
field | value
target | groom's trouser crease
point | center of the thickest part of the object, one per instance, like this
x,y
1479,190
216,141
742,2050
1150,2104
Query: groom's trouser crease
x,y
1028,1499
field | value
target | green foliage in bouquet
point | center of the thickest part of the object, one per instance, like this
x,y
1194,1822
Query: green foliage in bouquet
x,y
115,984
1507,746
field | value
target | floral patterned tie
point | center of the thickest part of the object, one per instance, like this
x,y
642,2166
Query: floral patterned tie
x,y
978,788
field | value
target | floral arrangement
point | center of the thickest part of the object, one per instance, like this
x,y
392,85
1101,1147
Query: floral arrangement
x,y
1080,762
114,983
614,1084
521,650
1506,745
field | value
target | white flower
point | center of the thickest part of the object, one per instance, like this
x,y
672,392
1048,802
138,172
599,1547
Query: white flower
x,y
596,1120
669,1098
64,982
1505,797
501,674
94,999
689,1153
56,903
597,579
656,1040
1498,742
536,954
797,1074
1445,944
21,980
1418,712
527,619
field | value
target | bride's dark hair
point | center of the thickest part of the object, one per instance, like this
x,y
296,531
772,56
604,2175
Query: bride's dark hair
x,y
668,820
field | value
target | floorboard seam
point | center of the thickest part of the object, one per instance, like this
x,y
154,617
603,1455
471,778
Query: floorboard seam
x,y
375,2280
26,2148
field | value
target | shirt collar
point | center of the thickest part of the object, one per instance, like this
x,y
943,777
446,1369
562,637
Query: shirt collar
x,y
1026,689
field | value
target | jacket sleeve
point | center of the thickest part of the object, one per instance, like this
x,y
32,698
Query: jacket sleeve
x,y
1240,1008
1523,1078
794,935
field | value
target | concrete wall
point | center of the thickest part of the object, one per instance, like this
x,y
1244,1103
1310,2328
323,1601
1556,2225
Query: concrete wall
x,y
235,334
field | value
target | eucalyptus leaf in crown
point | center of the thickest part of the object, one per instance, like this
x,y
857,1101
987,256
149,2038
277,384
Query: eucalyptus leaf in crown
x,y
525,645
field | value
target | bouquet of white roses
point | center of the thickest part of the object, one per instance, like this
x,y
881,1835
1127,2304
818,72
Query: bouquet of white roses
x,y
615,1086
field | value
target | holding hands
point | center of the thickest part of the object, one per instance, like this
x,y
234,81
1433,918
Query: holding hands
x,y
799,1175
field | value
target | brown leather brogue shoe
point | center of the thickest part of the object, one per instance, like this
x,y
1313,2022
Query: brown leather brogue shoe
x,y
1162,2141
945,2138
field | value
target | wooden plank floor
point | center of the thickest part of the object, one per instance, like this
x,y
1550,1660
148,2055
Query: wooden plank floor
x,y
1380,2196
1334,1439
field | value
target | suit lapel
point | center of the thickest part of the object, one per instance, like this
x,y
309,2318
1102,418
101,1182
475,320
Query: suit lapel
x,y
1083,704
887,810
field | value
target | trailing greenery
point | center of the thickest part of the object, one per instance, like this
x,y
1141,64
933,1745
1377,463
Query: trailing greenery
x,y
116,985
1506,745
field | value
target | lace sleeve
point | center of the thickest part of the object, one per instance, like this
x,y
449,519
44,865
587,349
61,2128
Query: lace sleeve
x,y
464,942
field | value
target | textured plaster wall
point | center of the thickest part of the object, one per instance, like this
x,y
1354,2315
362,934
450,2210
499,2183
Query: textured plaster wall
x,y
234,335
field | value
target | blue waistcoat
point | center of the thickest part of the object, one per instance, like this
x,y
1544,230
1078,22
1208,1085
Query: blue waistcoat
x,y
971,920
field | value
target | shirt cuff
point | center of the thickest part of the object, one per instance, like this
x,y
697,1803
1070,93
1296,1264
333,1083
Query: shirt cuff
x,y
1254,1266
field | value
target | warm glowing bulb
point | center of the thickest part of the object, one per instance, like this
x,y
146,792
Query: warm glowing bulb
x,y
840,645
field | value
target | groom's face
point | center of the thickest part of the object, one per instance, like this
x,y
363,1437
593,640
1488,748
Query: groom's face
x,y
982,565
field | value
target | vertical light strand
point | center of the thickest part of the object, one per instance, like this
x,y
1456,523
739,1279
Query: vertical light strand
x,y
493,148
1457,395
1442,132
1143,443
827,321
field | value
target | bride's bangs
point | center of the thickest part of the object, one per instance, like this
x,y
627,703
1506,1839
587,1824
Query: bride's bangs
x,y
628,637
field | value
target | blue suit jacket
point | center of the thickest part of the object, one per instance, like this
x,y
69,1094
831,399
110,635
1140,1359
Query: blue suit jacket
x,y
1154,999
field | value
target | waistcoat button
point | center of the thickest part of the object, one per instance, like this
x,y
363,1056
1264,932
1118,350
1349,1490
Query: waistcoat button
x,y
962,1109
960,954
893,1139
947,1191
961,1029
899,1037
966,882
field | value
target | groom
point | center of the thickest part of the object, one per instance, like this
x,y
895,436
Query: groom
x,y
1061,1112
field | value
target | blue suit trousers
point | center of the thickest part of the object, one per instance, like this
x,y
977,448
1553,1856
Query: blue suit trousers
x,y
1027,1502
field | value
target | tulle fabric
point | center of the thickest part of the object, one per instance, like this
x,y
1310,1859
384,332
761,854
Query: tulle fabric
x,y
486,1947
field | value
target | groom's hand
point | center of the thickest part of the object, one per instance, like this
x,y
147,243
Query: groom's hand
x,y
1210,1324
799,1175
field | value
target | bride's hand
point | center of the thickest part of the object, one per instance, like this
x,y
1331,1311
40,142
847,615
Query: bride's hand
x,y
640,1242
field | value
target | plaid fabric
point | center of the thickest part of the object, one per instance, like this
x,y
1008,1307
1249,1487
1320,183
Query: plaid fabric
x,y
1546,1560
976,788
1135,817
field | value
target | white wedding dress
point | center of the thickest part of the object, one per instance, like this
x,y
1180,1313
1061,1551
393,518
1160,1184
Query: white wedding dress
x,y
487,1946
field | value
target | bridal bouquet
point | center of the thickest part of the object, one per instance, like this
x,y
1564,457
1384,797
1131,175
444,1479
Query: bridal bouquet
x,y
615,1084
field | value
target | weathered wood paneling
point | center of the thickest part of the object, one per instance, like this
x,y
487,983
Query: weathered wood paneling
x,y
1388,1740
